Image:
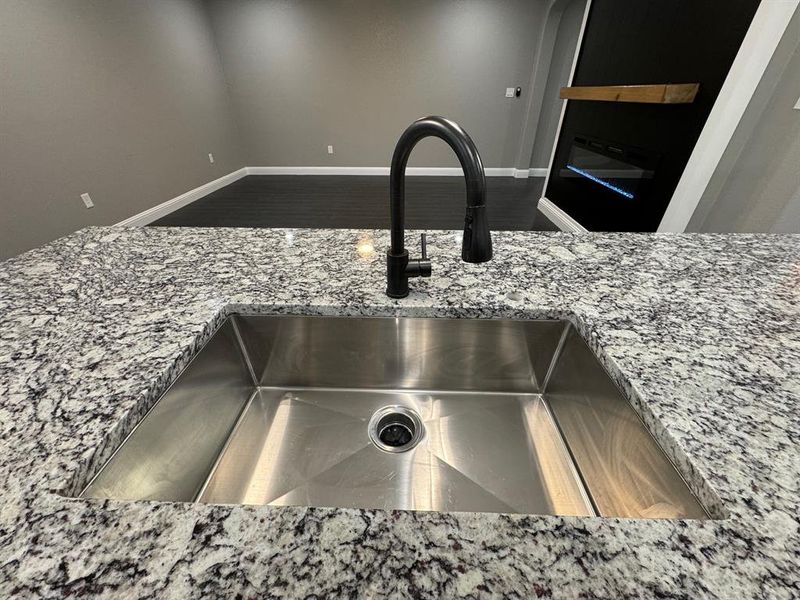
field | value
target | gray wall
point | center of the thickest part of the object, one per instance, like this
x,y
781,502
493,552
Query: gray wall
x,y
759,189
569,30
308,73
122,99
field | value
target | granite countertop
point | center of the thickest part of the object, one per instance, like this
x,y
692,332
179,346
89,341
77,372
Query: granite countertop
x,y
702,332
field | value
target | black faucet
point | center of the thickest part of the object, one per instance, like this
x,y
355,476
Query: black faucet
x,y
476,246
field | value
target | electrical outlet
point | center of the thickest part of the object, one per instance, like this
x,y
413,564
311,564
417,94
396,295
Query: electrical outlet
x,y
87,200
330,149
510,92
211,158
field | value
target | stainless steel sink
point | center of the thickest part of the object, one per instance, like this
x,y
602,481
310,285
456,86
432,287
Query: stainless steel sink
x,y
398,413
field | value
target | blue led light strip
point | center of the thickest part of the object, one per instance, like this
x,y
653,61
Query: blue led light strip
x,y
605,184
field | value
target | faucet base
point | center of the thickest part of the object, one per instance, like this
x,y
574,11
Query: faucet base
x,y
396,276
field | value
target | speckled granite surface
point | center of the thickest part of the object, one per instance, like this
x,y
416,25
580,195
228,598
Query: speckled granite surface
x,y
702,332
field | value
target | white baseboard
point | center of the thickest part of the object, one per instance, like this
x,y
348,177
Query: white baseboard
x,y
163,209
319,170
559,218
425,171
525,173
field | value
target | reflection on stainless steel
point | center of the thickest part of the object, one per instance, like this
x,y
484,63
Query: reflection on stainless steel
x,y
626,472
401,353
488,438
169,454
312,446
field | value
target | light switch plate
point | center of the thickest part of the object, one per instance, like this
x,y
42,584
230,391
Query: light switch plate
x,y
509,92
87,200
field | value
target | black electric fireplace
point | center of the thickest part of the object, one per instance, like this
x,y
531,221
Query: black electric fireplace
x,y
622,172
617,164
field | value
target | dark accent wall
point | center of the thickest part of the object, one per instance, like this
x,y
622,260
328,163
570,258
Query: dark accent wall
x,y
642,42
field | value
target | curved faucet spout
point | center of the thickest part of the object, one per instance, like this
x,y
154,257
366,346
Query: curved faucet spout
x,y
477,242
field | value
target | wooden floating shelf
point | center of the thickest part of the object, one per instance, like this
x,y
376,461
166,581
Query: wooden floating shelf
x,y
662,93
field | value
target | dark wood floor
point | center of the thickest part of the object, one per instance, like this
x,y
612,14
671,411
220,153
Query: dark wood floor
x,y
342,201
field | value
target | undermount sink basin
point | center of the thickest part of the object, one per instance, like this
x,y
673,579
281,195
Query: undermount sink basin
x,y
398,413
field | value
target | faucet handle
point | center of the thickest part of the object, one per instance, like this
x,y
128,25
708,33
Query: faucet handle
x,y
420,267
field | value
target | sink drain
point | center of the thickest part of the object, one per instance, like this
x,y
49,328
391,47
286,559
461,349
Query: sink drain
x,y
395,429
